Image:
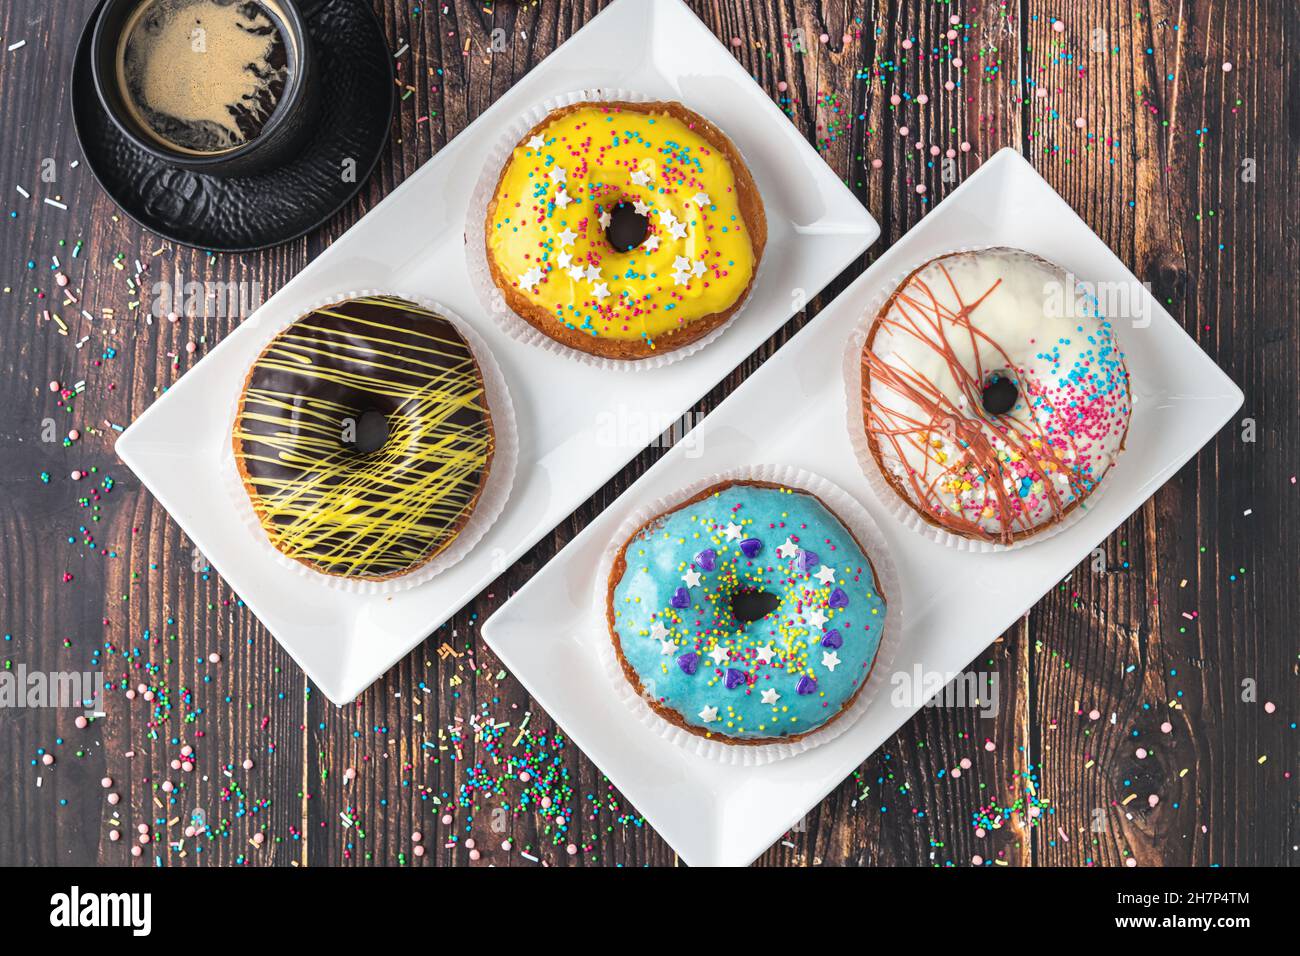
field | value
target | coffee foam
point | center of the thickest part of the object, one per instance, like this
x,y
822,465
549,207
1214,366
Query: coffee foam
x,y
203,76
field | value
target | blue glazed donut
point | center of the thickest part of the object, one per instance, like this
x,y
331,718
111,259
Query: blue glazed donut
x,y
748,613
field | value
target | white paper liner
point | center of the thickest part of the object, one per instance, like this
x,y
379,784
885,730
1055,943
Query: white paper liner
x,y
480,273
864,529
492,498
899,507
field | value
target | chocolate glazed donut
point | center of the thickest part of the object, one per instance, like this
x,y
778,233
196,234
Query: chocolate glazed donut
x,y
331,496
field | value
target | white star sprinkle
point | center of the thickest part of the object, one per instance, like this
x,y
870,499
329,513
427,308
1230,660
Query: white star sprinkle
x,y
681,264
709,714
651,244
681,278
564,258
732,531
641,208
592,273
567,237
815,617
640,177
825,575
600,290
770,696
702,200
667,218
692,578
678,230
557,174
787,549
604,220
657,631
577,274
830,660
531,278
719,655
562,199
666,647
536,143
698,268
763,653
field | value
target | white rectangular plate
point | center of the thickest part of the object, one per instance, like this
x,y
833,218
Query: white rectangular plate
x,y
577,425
792,411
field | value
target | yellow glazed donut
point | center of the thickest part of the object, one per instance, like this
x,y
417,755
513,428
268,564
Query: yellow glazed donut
x,y
625,229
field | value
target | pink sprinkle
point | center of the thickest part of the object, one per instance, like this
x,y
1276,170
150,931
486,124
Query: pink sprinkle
x,y
1141,753
1166,728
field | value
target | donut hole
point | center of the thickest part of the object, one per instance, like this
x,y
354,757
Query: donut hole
x,y
368,434
751,605
627,228
1000,394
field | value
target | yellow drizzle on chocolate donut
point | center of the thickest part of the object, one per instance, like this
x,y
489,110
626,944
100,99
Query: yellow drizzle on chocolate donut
x,y
547,225
322,501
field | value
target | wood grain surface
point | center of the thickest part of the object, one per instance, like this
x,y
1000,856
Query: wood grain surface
x,y
1187,617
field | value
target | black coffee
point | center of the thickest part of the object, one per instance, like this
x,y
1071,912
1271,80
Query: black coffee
x,y
203,76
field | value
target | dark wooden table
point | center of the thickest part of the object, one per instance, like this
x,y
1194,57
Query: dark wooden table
x,y
1187,169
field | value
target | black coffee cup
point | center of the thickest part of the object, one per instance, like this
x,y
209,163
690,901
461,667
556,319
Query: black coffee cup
x,y
281,136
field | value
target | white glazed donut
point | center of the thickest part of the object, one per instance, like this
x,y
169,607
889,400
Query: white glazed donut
x,y
995,397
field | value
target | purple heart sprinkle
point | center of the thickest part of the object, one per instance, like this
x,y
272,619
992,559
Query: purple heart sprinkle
x,y
688,662
750,547
734,678
808,560
806,686
681,598
838,599
707,559
832,639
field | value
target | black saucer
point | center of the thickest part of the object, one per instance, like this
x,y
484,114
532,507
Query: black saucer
x,y
357,95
